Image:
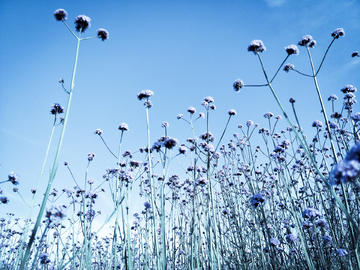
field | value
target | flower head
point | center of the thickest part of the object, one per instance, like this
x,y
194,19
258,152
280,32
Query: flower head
x,y
127,176
289,67
274,242
348,89
145,94
169,143
232,112
317,124
165,124
102,34
290,238
98,132
82,23
341,252
256,200
13,178
305,40
339,32
124,127
256,46
311,213
147,205
191,110
179,116
60,15
354,54
356,117
91,156
238,84
56,109
209,99
56,212
333,97
44,258
292,49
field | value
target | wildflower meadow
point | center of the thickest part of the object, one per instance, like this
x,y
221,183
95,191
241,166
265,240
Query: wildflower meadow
x,y
207,187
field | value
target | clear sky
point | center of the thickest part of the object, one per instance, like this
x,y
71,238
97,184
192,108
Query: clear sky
x,y
181,50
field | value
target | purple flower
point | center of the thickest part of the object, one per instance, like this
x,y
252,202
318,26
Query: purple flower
x,y
306,225
98,132
348,89
124,127
305,40
274,242
321,223
256,46
191,110
345,171
44,258
256,200
354,54
135,163
339,32
56,212
148,104
317,124
238,84
327,239
232,112
182,150
82,23
289,67
290,238
91,156
249,123
333,97
56,109
202,115
209,99
4,200
60,15
213,107
169,143
13,178
201,181
293,251
102,34
311,213
144,94
341,252
179,116
165,124
268,115
356,117
147,205
127,176
292,49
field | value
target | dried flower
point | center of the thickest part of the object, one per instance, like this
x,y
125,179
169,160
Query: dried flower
x,y
256,46
82,23
102,34
292,49
60,15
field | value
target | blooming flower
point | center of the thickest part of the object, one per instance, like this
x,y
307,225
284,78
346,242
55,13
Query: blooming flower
x,y
4,200
56,109
147,205
289,67
238,84
290,238
60,15
327,239
256,46
292,49
341,252
209,99
179,116
339,32
144,94
56,212
13,178
91,156
127,176
124,127
191,110
165,124
232,112
169,143
333,97
354,54
317,123
249,123
356,117
44,258
256,200
102,34
305,40
82,23
202,115
348,89
268,115
98,132
274,242
311,213
182,150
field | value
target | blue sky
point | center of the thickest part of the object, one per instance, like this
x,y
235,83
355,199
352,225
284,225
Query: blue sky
x,y
181,50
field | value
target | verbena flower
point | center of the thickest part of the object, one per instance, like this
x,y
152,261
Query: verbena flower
x,y
311,213
341,252
144,94
182,150
238,84
339,32
209,99
354,54
321,223
292,49
290,238
333,97
165,124
327,239
256,200
268,115
232,112
356,117
169,143
289,67
82,23
305,40
148,104
102,34
256,46
147,205
13,178
202,115
179,116
56,212
348,89
191,110
274,242
60,15
98,132
91,156
317,123
56,109
127,176
124,127
44,258
4,200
